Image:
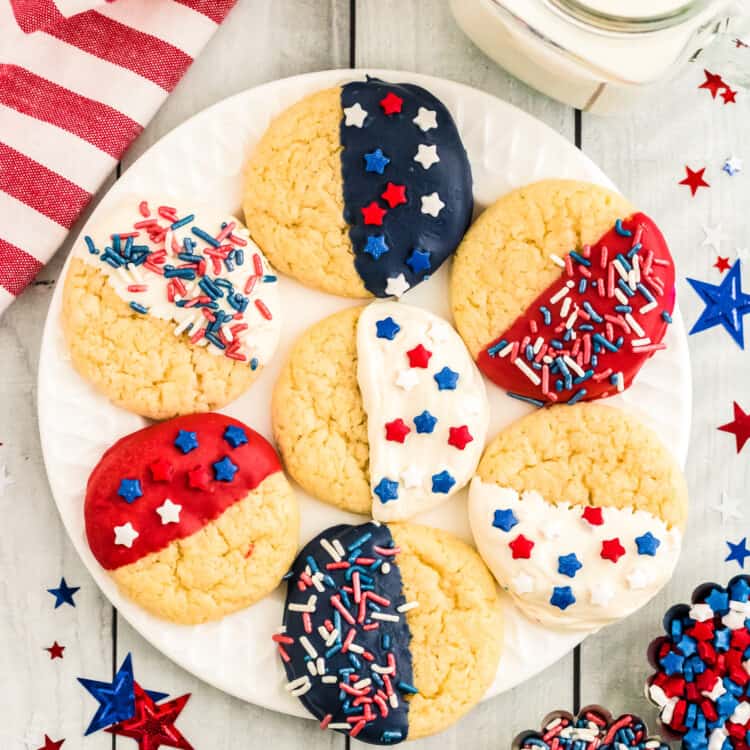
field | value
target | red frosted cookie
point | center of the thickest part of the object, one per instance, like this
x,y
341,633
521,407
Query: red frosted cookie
x,y
192,517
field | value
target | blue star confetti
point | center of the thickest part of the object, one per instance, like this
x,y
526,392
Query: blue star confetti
x,y
186,441
130,490
418,261
64,594
225,470
235,436
387,328
446,379
425,422
562,597
738,552
568,565
647,544
386,490
504,519
442,482
376,245
376,161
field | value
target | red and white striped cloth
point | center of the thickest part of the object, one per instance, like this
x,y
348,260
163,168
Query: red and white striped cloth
x,y
79,80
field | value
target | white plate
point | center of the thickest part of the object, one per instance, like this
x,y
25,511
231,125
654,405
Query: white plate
x,y
204,156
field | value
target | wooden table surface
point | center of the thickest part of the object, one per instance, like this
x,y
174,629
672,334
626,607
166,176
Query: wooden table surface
x,y
644,151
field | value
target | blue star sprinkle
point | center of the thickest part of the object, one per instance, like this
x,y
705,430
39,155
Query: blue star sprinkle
x,y
64,594
672,663
687,645
386,490
505,519
376,161
695,739
235,436
647,544
425,422
740,591
726,703
419,260
562,597
568,565
718,601
225,470
376,245
722,639
387,328
446,379
442,482
726,305
130,490
738,552
186,441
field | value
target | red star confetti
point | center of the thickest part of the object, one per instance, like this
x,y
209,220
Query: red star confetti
x,y
394,195
593,515
55,650
612,549
729,96
722,264
391,103
713,83
694,180
521,547
373,214
162,470
459,437
50,744
199,478
396,431
419,356
740,427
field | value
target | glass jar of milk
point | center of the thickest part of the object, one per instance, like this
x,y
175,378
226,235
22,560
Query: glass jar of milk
x,y
597,55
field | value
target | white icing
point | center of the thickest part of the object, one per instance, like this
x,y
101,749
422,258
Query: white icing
x,y
413,463
604,591
257,342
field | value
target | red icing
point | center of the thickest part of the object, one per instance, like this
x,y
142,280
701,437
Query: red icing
x,y
658,277
134,456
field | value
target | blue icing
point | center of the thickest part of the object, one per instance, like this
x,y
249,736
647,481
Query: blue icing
x,y
323,698
417,243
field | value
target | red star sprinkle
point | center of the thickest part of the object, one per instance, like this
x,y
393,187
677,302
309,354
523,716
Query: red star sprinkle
x,y
593,515
459,437
729,96
162,470
612,549
51,744
55,650
391,103
396,431
521,547
199,478
740,427
419,356
714,83
373,214
694,180
722,263
394,195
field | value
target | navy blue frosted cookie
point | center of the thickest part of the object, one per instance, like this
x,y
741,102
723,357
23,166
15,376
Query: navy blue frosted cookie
x,y
372,619
360,190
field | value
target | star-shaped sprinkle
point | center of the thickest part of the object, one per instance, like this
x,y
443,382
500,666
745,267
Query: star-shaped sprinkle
x,y
687,645
386,490
397,286
5,480
426,155
701,612
376,161
446,379
459,437
55,651
426,119
732,166
186,441
125,535
419,356
225,470
713,83
425,422
64,594
694,180
738,552
638,579
722,264
672,663
504,519
412,477
387,328
394,195
442,482
562,597
568,565
551,529
376,245
601,594
522,584
407,379
726,305
50,744
419,260
612,549
593,515
729,507
521,547
199,478
130,490
740,427
235,436
647,544
355,116
396,431
161,470
713,236
729,96
373,214
718,600
432,205
169,512
391,103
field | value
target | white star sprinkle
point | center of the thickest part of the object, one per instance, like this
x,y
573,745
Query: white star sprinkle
x,y
432,205
732,165
412,477
601,594
701,612
407,379
396,286
426,155
638,579
717,690
125,535
169,512
714,236
439,332
5,480
741,713
425,119
551,529
523,584
734,620
355,115
729,507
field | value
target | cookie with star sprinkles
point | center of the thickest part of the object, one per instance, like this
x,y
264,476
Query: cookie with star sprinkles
x,y
578,511
562,292
702,681
193,517
380,409
360,190
389,631
167,310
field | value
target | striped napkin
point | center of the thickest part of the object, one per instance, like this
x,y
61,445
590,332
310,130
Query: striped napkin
x,y
79,80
